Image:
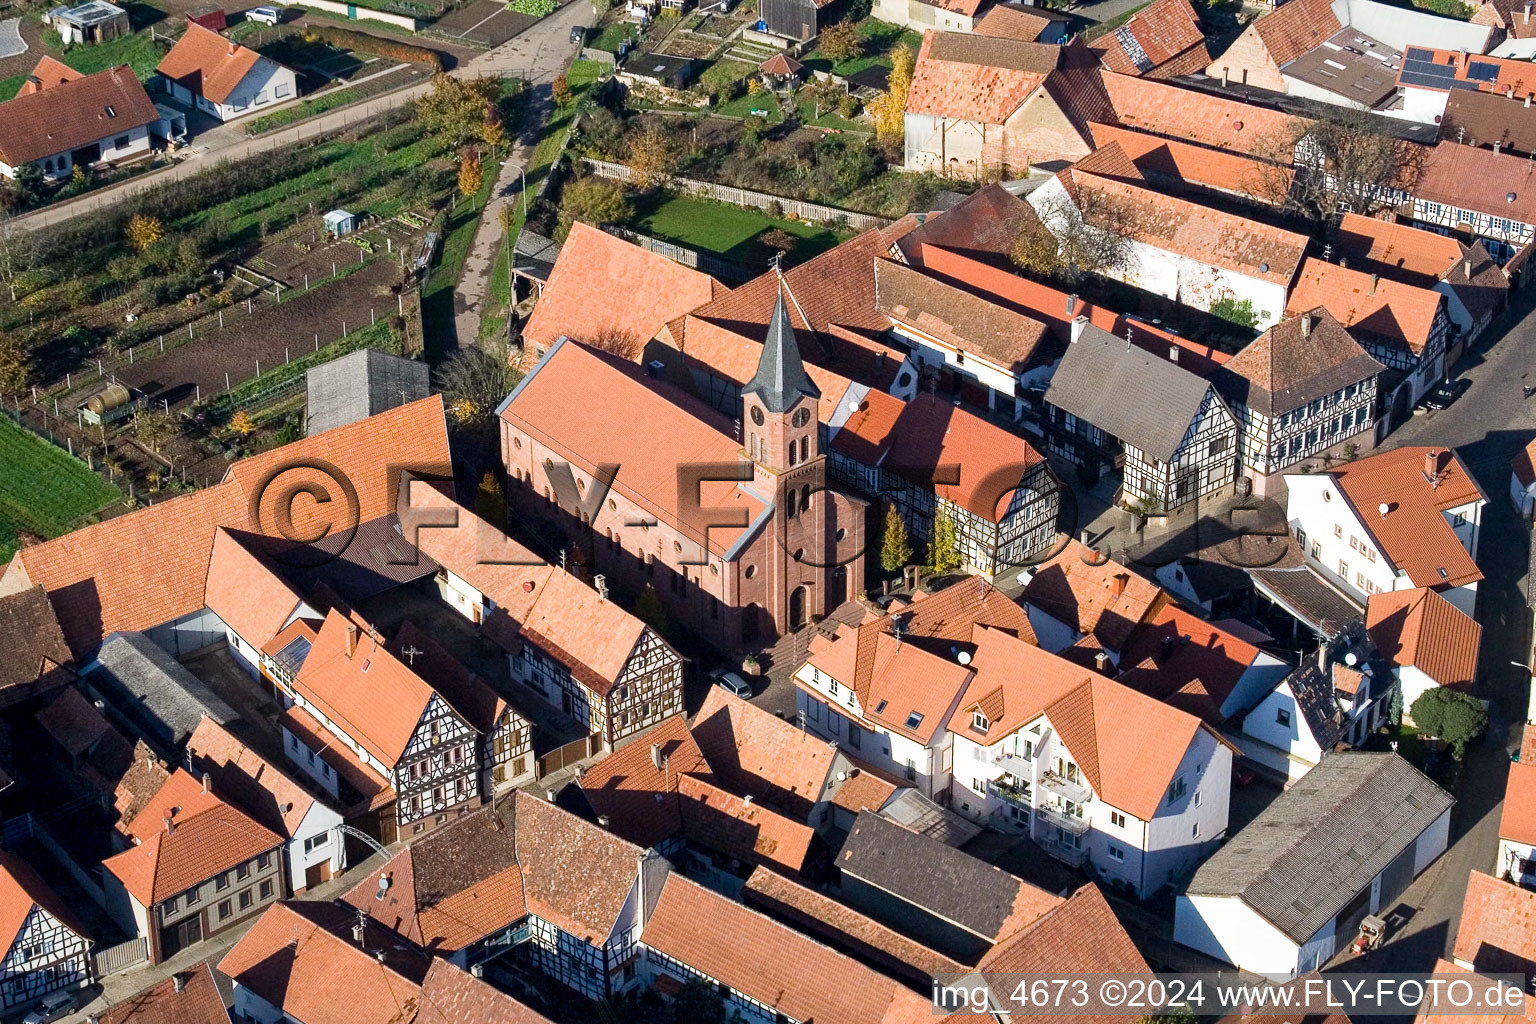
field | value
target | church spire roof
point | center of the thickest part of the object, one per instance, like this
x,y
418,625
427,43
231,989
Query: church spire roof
x,y
781,378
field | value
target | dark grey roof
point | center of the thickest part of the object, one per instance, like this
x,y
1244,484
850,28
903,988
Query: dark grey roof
x,y
1313,689
1307,596
34,642
927,873
534,256
1124,390
781,379
361,384
1323,840
153,691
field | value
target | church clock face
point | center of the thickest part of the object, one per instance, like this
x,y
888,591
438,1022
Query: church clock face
x,y
801,417
757,416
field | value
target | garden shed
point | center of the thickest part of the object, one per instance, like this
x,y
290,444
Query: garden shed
x,y
339,222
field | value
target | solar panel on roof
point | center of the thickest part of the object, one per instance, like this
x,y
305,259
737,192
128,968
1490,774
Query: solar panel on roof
x,y
1428,67
1418,53
1483,71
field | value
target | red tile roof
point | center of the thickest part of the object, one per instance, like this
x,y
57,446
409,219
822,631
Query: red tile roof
x,y
897,683
121,575
1419,627
1093,594
1189,115
1517,819
768,962
248,780
1455,1015
1510,15
1012,22
1163,40
554,609
50,72
779,64
637,797
604,289
584,405
754,752
1174,650
73,113
1292,29
1471,178
295,957
1497,932
198,1002
207,63
575,875
741,828
1196,165
246,591
977,78
1523,465
1397,250
453,996
1415,533
22,889
1396,312
959,320
1301,359
206,836
373,789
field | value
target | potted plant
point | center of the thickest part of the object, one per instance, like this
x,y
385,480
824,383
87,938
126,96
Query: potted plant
x,y
750,666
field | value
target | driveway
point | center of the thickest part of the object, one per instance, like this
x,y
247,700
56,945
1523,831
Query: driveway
x,y
11,43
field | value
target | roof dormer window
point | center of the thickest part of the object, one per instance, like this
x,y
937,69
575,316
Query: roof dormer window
x,y
979,722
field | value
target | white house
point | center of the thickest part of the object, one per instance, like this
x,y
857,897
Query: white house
x,y
1392,521
252,601
1427,640
1517,821
46,949
1287,892
62,119
315,849
1098,774
221,77
1337,697
1522,480
1196,255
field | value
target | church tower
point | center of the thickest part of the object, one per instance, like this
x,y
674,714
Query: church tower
x,y
781,438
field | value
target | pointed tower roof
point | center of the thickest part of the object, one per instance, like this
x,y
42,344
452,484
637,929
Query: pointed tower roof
x,y
781,376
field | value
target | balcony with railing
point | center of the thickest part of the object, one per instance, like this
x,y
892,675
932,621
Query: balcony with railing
x,y
1058,818
1017,764
1011,789
1072,855
1067,789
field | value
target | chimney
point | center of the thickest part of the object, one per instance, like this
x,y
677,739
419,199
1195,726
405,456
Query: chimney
x,y
602,821
351,639
1431,464
1527,16
1084,536
1071,304
656,756
359,931
601,583
1167,647
1322,658
1375,280
1117,584
1527,95
33,84
1173,353
170,825
233,46
1466,267
1496,147
205,782
1079,323
1101,661
1226,74
178,982
1306,325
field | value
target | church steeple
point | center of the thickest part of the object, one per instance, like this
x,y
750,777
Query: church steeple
x,y
781,380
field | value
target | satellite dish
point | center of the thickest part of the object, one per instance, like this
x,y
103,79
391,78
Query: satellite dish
x,y
853,405
1351,659
1383,508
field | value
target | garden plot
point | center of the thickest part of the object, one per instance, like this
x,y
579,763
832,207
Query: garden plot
x,y
310,253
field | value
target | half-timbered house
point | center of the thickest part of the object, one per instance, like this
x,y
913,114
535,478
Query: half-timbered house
x,y
1303,388
1167,429
564,640
46,947
393,722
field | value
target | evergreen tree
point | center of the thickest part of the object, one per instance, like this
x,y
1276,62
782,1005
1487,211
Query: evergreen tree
x,y
896,551
945,549
1450,715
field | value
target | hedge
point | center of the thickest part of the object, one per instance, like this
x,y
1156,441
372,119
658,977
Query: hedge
x,y
362,42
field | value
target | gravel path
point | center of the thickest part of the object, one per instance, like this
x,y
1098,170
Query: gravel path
x,y
11,43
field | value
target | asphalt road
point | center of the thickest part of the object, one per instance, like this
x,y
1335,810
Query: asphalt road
x,y
1487,426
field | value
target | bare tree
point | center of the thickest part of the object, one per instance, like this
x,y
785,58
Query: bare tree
x,y
474,381
16,252
1088,234
1343,159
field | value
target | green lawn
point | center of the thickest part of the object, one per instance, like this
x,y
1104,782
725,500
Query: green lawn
x,y
828,118
43,489
727,231
613,36
9,87
138,51
880,38
298,112
743,106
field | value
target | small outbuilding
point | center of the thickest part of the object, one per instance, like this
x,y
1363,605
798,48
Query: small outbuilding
x,y
781,71
210,16
358,385
94,21
108,405
339,222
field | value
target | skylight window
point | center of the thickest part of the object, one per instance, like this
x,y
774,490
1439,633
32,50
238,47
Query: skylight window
x,y
881,706
914,720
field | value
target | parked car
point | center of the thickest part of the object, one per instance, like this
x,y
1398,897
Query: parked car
x,y
734,683
265,15
53,1006
578,33
1242,774
1445,393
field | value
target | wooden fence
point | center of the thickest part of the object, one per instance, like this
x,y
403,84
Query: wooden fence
x,y
116,959
571,753
798,208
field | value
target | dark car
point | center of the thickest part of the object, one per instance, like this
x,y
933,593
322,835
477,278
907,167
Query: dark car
x,y
1445,393
578,34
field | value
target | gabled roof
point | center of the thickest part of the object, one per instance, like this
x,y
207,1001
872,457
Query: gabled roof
x,y
74,113
1155,156
1300,359
1414,533
1421,628
1163,40
1128,392
982,226
1497,930
754,752
373,789
638,798
153,691
453,886
604,290
370,694
1523,465
977,78
584,405
1013,682
740,828
575,875
22,889
122,575
469,695
1442,1013
556,611
965,891
34,644
1451,71
1367,303
1510,15
1187,662
1517,818
248,780
207,63
1470,178
205,836
246,591
1322,841
1292,29
1012,21
450,995
959,319
1162,108
50,72
1401,251
1093,594
198,1001
770,963
296,958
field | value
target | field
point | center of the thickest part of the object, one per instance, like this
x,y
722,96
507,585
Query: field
x,y
727,231
43,491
